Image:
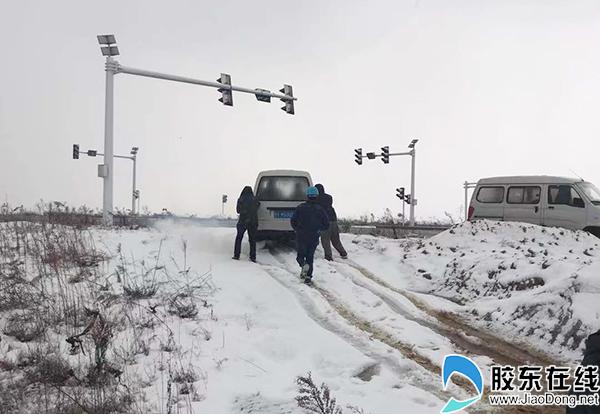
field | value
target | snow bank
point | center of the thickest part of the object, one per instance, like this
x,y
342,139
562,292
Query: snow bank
x,y
530,284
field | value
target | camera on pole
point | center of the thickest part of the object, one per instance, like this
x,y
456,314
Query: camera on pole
x,y
385,154
75,151
261,95
227,95
289,103
400,193
358,156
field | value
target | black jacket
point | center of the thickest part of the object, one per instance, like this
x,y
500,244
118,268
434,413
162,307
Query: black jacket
x,y
326,201
247,208
591,356
308,220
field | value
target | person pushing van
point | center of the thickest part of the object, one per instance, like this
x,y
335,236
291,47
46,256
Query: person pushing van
x,y
332,234
247,207
308,220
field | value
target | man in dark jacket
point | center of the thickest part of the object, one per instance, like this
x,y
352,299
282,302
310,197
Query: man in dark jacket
x,y
332,234
247,208
308,220
591,357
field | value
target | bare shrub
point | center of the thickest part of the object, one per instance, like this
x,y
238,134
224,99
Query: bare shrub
x,y
315,399
183,306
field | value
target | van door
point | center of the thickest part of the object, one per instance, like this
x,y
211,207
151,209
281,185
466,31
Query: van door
x,y
523,203
487,202
565,207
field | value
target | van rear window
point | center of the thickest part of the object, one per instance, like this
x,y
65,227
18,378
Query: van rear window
x,y
282,188
490,194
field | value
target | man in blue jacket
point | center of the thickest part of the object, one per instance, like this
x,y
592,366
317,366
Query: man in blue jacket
x,y
308,220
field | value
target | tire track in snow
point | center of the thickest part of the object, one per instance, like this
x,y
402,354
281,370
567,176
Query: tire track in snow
x,y
351,334
407,350
456,329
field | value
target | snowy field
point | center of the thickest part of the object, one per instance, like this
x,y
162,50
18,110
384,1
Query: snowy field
x,y
193,331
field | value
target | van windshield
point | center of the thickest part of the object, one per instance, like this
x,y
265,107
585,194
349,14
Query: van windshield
x,y
591,191
280,188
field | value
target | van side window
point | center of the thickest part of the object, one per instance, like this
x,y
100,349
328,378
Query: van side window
x,y
490,194
524,195
562,194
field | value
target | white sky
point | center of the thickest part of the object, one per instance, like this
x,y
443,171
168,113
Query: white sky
x,y
489,88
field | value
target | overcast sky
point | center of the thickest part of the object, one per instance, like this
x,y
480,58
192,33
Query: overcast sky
x,y
488,87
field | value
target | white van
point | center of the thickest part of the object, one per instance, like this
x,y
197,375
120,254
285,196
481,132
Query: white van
x,y
545,200
279,193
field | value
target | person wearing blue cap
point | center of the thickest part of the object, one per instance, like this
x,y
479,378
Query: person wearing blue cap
x,y
308,221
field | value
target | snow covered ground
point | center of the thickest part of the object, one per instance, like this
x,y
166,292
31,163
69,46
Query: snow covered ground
x,y
217,335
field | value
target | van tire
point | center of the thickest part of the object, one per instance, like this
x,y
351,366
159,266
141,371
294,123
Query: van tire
x,y
594,231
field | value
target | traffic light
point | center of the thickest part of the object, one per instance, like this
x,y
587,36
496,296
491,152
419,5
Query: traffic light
x,y
227,95
358,156
407,198
385,154
289,103
400,193
224,198
75,151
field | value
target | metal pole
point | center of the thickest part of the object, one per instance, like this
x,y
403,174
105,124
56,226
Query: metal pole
x,y
133,193
184,79
107,202
412,187
403,216
466,200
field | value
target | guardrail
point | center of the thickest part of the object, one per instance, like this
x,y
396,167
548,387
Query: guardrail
x,y
75,219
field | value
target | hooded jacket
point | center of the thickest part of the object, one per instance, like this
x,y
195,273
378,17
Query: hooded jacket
x,y
247,208
326,201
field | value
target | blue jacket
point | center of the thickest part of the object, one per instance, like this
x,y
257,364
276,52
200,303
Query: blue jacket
x,y
308,220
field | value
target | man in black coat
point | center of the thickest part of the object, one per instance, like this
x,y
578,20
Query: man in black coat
x,y
332,234
247,208
591,356
308,220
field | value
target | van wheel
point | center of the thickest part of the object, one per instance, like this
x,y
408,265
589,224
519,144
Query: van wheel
x,y
595,231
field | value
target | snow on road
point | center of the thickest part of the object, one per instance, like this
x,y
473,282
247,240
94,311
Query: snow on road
x,y
270,328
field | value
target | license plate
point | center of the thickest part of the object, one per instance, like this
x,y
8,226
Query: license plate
x,y
283,214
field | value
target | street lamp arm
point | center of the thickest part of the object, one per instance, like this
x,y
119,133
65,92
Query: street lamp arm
x,y
402,153
164,76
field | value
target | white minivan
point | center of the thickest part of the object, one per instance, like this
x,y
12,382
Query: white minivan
x,y
544,200
279,193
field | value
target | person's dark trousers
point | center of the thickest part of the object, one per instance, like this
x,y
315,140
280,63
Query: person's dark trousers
x,y
241,229
306,253
332,236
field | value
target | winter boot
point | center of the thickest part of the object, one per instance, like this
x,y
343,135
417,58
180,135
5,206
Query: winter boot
x,y
304,272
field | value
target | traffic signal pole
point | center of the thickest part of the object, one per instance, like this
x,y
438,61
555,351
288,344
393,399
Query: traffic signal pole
x,y
112,67
107,170
413,199
385,154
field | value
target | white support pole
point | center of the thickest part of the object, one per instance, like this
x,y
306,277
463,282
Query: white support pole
x,y
107,201
133,193
466,185
412,187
